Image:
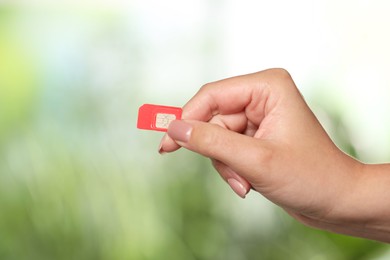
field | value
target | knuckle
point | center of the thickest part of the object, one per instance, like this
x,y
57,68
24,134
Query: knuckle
x,y
207,139
206,87
280,73
281,80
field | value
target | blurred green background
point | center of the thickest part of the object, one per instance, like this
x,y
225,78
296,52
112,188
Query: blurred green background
x,y
79,181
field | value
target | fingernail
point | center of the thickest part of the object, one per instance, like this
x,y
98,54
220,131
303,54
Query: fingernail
x,y
237,187
160,146
180,131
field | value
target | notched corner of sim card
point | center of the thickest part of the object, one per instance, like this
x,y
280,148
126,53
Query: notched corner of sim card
x,y
144,117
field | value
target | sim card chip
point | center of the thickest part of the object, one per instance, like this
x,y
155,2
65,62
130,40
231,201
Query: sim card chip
x,y
158,118
163,120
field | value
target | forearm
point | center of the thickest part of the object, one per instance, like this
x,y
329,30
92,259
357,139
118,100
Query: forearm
x,y
375,199
365,208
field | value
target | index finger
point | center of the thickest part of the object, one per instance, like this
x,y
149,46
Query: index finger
x,y
247,93
228,96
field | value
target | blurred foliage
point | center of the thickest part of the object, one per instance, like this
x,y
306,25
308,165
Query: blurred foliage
x,y
78,182
18,79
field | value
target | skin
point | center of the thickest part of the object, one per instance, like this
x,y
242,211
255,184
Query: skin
x,y
260,134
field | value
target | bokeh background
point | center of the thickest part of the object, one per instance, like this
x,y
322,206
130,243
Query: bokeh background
x,y
79,181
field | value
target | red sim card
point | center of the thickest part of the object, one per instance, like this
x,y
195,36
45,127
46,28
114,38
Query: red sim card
x,y
158,118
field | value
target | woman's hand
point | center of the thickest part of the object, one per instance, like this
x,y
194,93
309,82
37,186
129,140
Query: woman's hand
x,y
260,134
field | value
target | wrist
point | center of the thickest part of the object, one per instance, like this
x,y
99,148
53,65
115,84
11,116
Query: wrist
x,y
364,208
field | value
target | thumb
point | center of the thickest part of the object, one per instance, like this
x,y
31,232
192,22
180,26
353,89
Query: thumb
x,y
246,155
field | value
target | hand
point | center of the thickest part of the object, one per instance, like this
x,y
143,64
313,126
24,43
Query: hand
x,y
260,134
